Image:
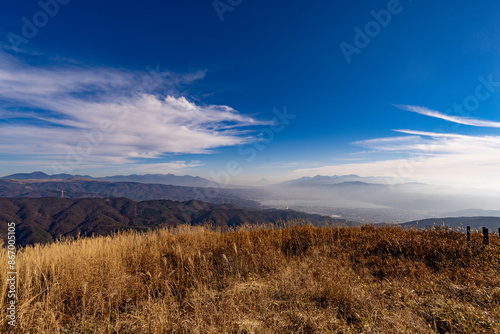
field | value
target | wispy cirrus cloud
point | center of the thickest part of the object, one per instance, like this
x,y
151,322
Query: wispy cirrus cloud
x,y
429,134
476,169
48,111
427,156
450,118
422,142
163,168
393,144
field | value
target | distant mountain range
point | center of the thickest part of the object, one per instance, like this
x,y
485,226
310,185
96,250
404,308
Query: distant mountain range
x,y
457,223
320,180
473,213
79,188
353,191
345,191
169,179
196,181
46,219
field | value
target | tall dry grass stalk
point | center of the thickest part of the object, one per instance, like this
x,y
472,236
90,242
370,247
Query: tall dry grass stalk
x,y
300,279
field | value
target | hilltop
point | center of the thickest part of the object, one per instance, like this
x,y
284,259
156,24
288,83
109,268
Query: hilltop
x,y
301,279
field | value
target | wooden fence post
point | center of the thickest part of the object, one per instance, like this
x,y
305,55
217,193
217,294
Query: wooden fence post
x,y
486,236
468,233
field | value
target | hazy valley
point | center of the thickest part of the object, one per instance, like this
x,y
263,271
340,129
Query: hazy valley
x,y
102,206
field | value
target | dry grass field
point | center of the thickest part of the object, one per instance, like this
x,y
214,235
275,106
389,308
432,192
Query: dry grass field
x,y
299,279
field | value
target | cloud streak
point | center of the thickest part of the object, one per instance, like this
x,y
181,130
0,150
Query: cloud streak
x,y
426,156
455,119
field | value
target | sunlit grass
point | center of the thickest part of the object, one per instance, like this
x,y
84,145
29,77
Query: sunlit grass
x,y
299,279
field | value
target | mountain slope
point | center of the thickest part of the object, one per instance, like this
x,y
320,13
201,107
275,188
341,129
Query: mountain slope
x,y
133,190
458,223
46,219
170,179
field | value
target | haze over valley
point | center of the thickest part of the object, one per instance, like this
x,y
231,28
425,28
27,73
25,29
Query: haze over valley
x,y
349,197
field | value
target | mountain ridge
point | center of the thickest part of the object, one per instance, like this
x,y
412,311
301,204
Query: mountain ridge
x,y
457,223
41,220
168,179
133,190
324,180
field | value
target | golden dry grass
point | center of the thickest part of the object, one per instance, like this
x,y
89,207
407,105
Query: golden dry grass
x,y
299,279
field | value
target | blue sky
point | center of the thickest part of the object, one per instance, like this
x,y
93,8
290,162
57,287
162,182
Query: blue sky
x,y
252,89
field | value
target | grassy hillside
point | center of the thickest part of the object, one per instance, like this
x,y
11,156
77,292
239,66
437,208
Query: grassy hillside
x,y
47,219
294,280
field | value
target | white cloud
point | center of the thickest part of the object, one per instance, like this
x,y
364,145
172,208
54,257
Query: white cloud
x,y
455,119
167,167
391,143
443,158
89,115
429,134
478,170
